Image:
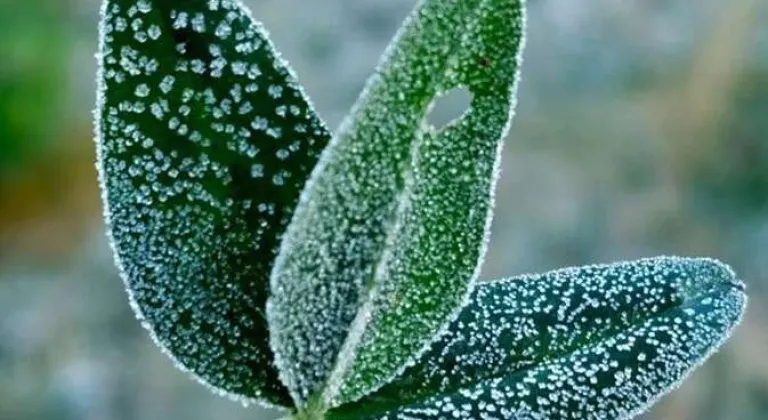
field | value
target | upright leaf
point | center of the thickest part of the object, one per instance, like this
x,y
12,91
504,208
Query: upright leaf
x,y
387,238
204,141
596,342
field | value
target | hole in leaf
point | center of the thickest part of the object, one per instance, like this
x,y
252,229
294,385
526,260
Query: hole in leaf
x,y
448,107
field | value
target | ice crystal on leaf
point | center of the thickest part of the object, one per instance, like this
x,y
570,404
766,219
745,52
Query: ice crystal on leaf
x,y
354,296
387,238
189,178
594,342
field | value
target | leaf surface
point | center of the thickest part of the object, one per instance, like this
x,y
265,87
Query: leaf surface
x,y
387,238
204,141
595,342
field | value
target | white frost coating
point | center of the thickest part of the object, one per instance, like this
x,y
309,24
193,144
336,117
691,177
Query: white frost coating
x,y
487,228
193,230
486,239
387,238
594,342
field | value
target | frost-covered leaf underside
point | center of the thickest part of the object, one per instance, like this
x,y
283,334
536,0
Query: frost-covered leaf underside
x,y
205,141
595,342
387,238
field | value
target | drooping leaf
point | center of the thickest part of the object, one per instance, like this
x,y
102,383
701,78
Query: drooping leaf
x,y
386,241
595,342
204,141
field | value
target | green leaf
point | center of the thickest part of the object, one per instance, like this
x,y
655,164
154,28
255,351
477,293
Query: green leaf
x,y
595,342
387,239
204,141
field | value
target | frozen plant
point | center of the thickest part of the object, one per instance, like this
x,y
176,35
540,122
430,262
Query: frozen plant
x,y
334,275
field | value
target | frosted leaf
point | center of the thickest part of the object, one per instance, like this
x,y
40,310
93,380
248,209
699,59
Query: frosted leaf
x,y
595,342
192,209
386,241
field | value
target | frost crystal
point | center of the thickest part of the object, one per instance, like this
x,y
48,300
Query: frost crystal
x,y
387,238
183,184
595,342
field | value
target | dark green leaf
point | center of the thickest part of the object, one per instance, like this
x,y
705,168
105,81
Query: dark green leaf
x,y
596,342
205,141
387,240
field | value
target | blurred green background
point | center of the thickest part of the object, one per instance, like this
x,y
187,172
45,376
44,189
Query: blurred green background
x,y
642,129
